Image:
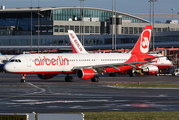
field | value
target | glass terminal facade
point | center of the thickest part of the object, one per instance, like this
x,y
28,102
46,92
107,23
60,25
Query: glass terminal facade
x,y
65,14
54,24
22,20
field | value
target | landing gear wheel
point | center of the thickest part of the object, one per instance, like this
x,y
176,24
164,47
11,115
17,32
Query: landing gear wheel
x,y
69,79
132,74
95,79
112,74
157,74
22,80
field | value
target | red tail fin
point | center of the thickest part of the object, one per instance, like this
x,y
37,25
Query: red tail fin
x,y
142,45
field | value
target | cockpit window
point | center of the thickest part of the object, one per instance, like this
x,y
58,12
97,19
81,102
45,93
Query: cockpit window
x,y
12,60
15,60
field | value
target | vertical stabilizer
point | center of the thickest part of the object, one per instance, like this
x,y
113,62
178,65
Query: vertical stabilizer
x,y
142,45
75,43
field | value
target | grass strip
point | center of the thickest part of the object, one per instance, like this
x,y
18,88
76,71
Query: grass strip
x,y
131,115
153,85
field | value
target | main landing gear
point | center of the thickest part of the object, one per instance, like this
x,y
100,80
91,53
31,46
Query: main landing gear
x,y
23,78
68,78
132,73
95,79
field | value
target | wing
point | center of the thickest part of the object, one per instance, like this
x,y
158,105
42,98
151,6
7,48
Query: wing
x,y
151,58
101,67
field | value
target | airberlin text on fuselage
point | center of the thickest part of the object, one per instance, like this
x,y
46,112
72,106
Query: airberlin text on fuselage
x,y
53,61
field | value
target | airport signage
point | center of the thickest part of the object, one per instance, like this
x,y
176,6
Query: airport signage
x,y
14,117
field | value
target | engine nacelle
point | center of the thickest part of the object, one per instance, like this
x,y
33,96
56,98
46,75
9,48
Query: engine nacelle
x,y
151,70
86,73
46,76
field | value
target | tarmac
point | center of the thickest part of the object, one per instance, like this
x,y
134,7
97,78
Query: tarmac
x,y
57,96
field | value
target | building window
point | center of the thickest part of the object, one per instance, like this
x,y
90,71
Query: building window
x,y
66,28
56,28
91,29
97,29
164,29
87,29
72,28
44,29
125,30
140,30
136,30
159,30
130,30
49,29
61,28
77,29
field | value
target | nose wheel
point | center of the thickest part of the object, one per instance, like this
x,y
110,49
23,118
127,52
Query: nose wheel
x,y
23,78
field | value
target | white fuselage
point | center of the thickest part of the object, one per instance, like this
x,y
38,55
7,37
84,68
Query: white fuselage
x,y
162,62
57,63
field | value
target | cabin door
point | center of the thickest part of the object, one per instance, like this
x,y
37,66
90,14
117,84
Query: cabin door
x,y
28,61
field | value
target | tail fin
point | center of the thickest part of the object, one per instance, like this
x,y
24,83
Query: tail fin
x,y
142,45
75,43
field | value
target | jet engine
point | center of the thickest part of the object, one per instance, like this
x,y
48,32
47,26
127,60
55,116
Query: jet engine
x,y
86,73
150,69
46,76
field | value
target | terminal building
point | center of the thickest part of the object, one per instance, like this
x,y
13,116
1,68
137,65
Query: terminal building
x,y
23,29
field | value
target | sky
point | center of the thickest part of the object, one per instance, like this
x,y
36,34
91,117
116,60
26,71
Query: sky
x,y
126,6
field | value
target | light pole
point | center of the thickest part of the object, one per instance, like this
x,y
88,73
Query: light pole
x,y
82,16
112,26
150,12
173,12
31,27
115,26
38,26
153,22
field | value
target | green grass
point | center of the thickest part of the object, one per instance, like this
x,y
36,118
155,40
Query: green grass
x,y
131,116
153,85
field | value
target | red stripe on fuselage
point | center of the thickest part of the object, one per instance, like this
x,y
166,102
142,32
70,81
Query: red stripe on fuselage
x,y
47,72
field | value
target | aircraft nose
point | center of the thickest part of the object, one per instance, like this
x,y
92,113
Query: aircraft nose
x,y
7,67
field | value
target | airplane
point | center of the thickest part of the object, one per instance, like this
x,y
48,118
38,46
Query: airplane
x,y
160,61
85,66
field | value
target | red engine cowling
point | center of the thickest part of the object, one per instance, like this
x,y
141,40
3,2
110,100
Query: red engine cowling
x,y
46,76
86,73
151,70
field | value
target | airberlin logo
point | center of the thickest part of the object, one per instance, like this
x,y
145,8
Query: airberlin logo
x,y
76,42
53,61
144,44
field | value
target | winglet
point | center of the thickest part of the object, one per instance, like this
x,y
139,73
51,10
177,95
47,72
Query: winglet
x,y
142,45
75,43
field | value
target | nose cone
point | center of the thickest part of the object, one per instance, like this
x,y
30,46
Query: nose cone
x,y
7,68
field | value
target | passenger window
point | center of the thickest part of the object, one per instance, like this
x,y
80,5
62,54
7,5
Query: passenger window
x,y
19,60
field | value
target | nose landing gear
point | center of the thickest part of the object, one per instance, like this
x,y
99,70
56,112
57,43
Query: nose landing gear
x,y
23,78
